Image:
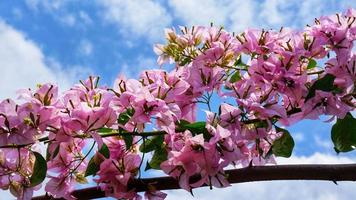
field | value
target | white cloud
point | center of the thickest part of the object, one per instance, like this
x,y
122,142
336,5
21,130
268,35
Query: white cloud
x,y
242,15
317,158
200,12
85,18
68,19
48,5
271,12
236,14
145,18
60,10
85,47
298,137
296,13
322,142
133,68
292,190
23,65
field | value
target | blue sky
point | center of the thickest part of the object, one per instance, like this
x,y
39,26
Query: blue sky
x,y
65,40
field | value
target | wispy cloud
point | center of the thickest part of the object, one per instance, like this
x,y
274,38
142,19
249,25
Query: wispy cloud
x,y
144,18
68,19
62,11
323,143
85,47
133,68
48,5
23,64
237,15
85,18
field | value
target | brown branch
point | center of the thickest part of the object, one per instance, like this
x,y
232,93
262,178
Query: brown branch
x,y
339,172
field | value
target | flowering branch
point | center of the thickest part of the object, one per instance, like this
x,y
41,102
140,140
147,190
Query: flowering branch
x,y
263,80
334,173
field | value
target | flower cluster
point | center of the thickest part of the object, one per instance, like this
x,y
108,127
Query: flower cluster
x,y
16,168
270,79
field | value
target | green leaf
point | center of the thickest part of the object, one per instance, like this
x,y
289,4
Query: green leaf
x,y
92,168
343,134
94,163
159,156
39,170
182,123
325,84
152,144
261,124
50,155
130,111
105,151
184,61
195,128
284,145
125,116
128,138
235,77
105,130
148,166
56,151
238,61
312,63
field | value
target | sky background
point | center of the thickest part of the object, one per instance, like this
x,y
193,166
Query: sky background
x,y
62,41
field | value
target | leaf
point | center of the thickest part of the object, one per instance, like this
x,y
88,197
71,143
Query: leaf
x,y
238,61
284,145
50,155
235,77
39,170
148,166
181,123
195,128
105,151
325,84
184,61
56,151
343,134
152,144
92,168
125,116
312,64
261,124
105,130
159,156
94,163
128,138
